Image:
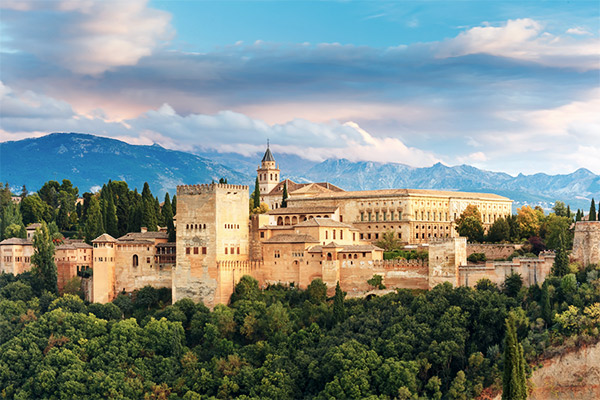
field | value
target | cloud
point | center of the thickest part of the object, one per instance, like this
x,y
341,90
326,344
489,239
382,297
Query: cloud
x,y
226,131
86,37
578,31
524,39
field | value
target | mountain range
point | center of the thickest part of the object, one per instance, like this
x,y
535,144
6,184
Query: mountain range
x,y
89,161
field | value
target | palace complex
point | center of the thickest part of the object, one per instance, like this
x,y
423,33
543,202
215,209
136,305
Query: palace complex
x,y
324,232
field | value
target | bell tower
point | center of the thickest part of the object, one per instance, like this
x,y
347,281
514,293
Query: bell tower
x,y
268,173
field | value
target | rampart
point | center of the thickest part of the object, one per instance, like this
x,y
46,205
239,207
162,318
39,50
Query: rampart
x,y
494,251
586,242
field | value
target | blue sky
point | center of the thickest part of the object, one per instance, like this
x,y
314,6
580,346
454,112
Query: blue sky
x,y
509,86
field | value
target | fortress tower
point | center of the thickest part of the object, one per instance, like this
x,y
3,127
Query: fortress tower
x,y
268,174
212,228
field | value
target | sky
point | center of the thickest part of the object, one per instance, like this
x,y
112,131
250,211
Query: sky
x,y
511,86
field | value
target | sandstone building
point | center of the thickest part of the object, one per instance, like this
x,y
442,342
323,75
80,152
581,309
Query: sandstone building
x,y
325,232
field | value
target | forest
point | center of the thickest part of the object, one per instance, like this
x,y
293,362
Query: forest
x,y
282,342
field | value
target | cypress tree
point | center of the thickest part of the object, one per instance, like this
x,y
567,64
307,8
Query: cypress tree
x,y
546,305
148,214
339,312
167,214
43,259
569,212
112,226
174,204
146,193
592,214
93,224
561,260
157,212
135,218
578,215
285,195
514,381
256,195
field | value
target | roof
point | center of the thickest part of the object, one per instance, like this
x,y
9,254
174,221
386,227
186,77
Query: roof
x,y
406,193
328,222
105,237
14,240
303,210
291,238
268,156
355,248
167,244
33,227
294,188
144,236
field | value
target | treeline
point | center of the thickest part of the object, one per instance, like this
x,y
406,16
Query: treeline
x,y
530,225
283,342
115,209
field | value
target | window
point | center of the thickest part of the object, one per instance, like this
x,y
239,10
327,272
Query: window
x,y
187,250
353,236
195,250
135,261
204,250
262,235
238,250
341,234
226,250
334,234
147,260
326,234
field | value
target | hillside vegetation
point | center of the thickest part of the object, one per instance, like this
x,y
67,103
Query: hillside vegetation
x,y
283,342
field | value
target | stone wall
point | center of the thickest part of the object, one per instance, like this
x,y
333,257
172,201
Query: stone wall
x,y
129,277
532,270
499,251
586,242
445,257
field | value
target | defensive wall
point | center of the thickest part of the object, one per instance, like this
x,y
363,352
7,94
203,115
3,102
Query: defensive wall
x,y
496,251
586,242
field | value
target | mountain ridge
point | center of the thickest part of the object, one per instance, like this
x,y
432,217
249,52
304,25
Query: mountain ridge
x,y
89,160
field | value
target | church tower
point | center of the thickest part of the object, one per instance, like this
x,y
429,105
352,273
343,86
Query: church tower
x,y
268,173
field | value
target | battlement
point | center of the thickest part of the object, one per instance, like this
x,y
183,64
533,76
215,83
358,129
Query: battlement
x,y
206,188
401,263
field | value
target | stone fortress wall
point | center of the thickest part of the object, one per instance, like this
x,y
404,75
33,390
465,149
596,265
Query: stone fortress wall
x,y
586,242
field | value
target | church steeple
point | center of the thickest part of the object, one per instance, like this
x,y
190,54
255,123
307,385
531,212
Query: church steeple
x,y
268,173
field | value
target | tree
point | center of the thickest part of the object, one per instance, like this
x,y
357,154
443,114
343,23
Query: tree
x,y
458,389
471,228
256,194
555,228
514,380
513,284
24,192
388,241
592,216
546,305
33,209
499,231
578,216
285,195
529,221
559,209
167,214
561,260
42,260
470,225
377,282
223,181
93,225
317,291
112,224
339,312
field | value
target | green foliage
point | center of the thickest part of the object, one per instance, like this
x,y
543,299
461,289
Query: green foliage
x,y
283,342
477,257
339,311
499,231
514,379
94,226
285,195
42,260
256,194
561,260
389,241
167,215
406,254
377,282
592,215
470,224
513,284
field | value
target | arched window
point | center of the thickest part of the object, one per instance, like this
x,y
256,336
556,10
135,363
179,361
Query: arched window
x,y
329,257
279,221
287,220
135,262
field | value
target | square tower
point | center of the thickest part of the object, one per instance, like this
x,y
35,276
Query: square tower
x,y
212,227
